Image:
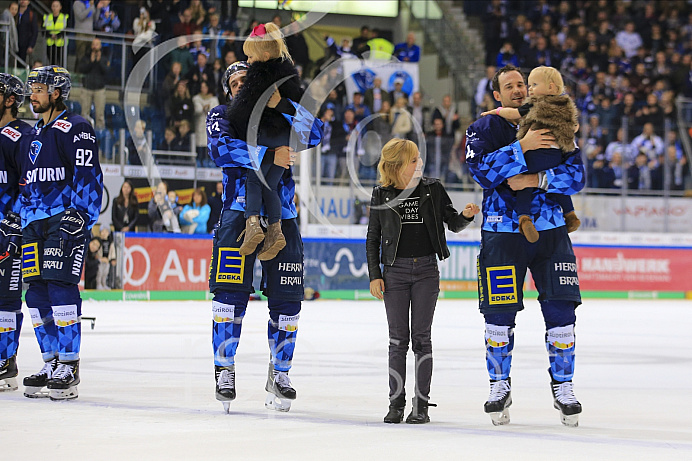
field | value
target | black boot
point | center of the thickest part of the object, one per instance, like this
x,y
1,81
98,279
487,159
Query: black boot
x,y
396,410
419,412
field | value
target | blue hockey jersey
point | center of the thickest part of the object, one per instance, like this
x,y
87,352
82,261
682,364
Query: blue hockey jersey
x,y
61,170
493,154
234,155
13,141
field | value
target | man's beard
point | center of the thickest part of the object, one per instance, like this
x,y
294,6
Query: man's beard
x,y
41,108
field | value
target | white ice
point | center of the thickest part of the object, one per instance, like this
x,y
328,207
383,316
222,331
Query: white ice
x,y
147,388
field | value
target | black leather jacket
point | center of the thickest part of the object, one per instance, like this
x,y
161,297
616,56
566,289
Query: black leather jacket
x,y
384,227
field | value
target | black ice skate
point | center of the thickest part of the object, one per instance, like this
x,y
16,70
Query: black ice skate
x,y
225,385
419,412
280,392
565,402
63,384
499,401
396,410
34,384
8,374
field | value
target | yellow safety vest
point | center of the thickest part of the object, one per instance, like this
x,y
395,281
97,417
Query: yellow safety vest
x,y
55,27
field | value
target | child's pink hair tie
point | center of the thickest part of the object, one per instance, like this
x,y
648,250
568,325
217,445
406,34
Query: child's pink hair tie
x,y
258,31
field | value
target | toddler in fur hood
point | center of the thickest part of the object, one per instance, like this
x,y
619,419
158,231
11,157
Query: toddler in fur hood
x,y
546,108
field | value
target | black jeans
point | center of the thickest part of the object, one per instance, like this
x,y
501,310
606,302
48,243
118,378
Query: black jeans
x,y
411,284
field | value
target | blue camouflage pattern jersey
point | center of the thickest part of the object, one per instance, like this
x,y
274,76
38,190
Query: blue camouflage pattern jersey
x,y
13,142
493,154
61,170
233,155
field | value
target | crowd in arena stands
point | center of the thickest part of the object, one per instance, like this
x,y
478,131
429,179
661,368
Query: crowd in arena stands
x,y
619,59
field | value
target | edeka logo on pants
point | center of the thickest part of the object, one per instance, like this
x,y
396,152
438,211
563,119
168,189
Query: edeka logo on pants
x,y
230,266
30,266
502,285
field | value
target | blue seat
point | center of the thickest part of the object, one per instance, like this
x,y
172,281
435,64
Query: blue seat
x,y
74,106
115,117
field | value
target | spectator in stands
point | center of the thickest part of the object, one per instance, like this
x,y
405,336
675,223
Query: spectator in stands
x,y
181,106
629,39
419,112
27,29
496,29
507,55
215,44
380,47
217,72
168,139
626,151
400,119
215,201
438,149
382,124
360,43
335,103
484,86
349,125
162,217
54,25
408,51
136,145
345,50
160,12
203,102
398,91
448,113
232,45
170,83
197,47
197,13
358,107
125,209
182,142
95,67
329,157
182,55
375,96
91,266
9,16
297,46
200,72
229,57
185,26
195,215
651,113
106,18
145,32
639,174
649,143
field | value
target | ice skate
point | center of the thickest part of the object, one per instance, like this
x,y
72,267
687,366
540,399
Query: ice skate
x,y
280,393
8,374
572,221
225,385
396,410
274,243
253,236
527,229
499,401
419,412
63,384
565,402
34,385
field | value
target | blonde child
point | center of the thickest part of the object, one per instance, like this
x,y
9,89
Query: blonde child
x,y
546,107
406,234
269,62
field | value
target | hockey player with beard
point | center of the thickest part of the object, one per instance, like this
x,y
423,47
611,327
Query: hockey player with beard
x,y
61,190
13,136
231,272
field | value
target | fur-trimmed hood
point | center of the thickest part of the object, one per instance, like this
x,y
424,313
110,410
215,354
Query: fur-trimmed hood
x,y
557,113
261,76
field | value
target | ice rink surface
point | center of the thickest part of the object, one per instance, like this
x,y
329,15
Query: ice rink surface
x,y
147,388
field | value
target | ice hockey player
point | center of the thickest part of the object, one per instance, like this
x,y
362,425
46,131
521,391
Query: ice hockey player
x,y
231,273
13,136
61,190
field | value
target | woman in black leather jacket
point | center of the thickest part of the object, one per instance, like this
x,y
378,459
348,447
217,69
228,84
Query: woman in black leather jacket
x,y
406,234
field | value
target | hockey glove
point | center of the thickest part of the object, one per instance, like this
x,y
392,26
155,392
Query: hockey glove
x,y
10,236
73,231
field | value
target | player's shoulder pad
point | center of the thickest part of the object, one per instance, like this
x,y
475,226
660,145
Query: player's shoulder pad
x,y
217,112
11,132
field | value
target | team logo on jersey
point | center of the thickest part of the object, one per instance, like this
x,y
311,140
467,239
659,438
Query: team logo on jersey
x,y
30,266
502,285
34,150
62,125
11,133
231,266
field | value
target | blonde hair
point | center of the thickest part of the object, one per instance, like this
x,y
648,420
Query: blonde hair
x,y
396,155
272,42
550,75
